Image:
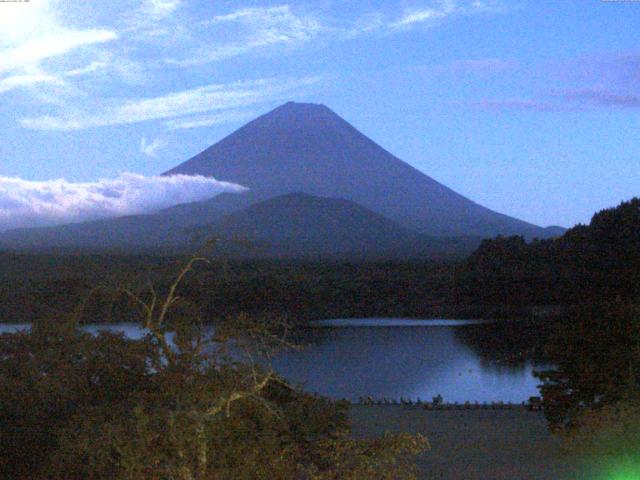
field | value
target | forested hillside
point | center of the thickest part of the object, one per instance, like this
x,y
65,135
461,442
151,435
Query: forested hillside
x,y
596,261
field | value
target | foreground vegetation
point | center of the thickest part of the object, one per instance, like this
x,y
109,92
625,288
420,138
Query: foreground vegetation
x,y
78,406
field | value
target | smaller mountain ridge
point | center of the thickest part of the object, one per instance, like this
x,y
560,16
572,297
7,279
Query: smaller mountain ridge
x,y
299,225
294,226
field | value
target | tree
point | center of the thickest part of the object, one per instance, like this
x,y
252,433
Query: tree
x,y
178,403
596,353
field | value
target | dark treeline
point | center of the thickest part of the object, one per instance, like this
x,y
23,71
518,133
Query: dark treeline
x,y
591,395
33,286
504,278
599,261
312,291
596,351
509,343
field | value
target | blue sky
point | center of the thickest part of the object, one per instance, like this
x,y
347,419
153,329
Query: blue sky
x,y
530,108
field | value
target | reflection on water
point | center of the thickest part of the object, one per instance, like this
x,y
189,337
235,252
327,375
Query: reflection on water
x,y
396,361
13,327
394,322
407,362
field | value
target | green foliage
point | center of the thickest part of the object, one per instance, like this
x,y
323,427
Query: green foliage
x,y
78,406
387,458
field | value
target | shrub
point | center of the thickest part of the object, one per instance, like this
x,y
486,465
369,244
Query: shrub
x,y
175,404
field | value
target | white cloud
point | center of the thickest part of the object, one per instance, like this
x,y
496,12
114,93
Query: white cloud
x,y
208,120
444,9
424,15
90,68
158,9
40,48
256,28
198,100
113,65
19,21
260,28
371,22
151,149
30,35
18,81
27,203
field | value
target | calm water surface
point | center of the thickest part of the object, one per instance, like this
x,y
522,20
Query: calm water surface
x,y
390,358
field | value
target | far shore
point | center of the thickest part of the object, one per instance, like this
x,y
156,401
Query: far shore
x,y
509,444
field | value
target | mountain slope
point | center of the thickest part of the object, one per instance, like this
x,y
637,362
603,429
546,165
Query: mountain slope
x,y
302,225
126,234
288,226
308,148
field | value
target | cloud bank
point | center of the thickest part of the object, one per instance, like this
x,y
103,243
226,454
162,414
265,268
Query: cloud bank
x,y
26,203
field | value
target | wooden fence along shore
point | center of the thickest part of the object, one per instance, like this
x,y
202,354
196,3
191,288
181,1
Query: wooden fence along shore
x,y
533,404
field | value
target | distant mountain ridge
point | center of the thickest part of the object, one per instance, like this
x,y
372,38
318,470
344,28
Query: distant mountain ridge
x,y
317,186
295,225
301,147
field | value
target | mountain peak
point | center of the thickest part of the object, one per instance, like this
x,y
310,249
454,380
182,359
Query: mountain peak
x,y
291,105
306,147
295,112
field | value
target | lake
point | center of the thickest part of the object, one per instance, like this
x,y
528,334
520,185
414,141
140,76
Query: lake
x,y
392,358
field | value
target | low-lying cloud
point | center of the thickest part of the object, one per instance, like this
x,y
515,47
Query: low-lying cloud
x,y
26,203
